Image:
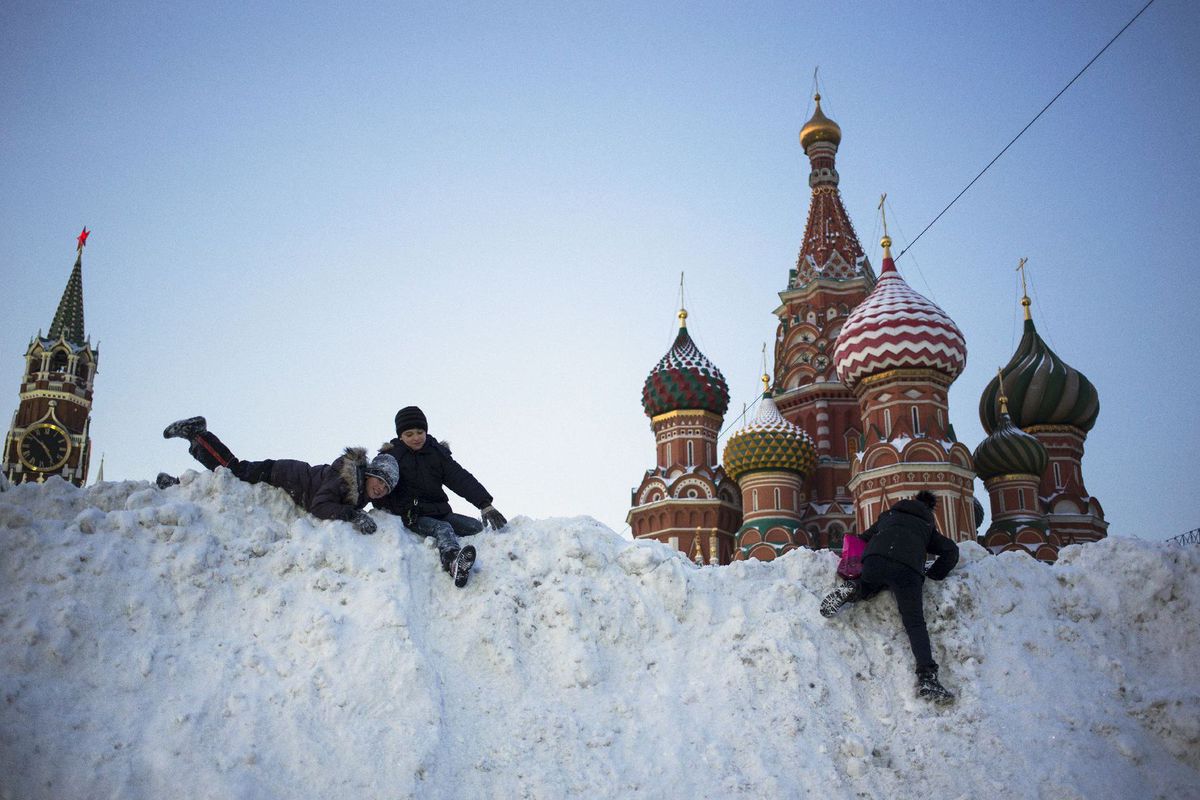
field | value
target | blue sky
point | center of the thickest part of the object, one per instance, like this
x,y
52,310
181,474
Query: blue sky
x,y
307,217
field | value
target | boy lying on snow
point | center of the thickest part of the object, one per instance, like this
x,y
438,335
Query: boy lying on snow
x,y
327,491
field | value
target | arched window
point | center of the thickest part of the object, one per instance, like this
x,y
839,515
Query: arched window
x,y
916,420
1058,481
754,498
778,499
887,423
58,362
691,454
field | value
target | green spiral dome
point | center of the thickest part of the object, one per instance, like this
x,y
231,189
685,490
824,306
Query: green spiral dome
x,y
1009,451
1041,388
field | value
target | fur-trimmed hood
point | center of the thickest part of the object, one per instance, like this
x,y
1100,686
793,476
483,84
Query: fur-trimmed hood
x,y
350,468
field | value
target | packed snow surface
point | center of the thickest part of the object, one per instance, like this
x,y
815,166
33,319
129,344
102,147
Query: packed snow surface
x,y
211,641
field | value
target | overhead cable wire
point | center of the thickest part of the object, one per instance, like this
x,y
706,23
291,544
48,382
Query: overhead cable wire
x,y
1018,136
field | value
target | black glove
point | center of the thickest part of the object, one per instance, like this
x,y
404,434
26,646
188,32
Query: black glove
x,y
364,523
492,518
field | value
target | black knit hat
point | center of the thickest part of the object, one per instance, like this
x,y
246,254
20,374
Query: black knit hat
x,y
409,418
928,498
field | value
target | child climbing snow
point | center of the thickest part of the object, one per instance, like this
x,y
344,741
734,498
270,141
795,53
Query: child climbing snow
x,y
419,499
327,491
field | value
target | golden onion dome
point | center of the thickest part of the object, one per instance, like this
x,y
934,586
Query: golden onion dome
x,y
820,128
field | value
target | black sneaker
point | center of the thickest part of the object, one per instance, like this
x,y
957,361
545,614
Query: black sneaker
x,y
165,481
930,688
460,570
185,428
840,597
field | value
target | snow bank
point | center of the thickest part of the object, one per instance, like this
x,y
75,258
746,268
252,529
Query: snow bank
x,y
209,641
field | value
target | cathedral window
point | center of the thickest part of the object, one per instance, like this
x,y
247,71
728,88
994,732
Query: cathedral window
x,y
1058,481
887,423
754,499
691,455
778,500
916,420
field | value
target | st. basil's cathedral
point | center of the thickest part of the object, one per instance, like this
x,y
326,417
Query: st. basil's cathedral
x,y
856,417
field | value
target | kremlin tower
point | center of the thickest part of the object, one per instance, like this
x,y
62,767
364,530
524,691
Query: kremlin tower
x,y
686,500
769,459
50,433
1058,405
898,352
832,276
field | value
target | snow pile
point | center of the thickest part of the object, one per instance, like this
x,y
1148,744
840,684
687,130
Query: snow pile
x,y
210,641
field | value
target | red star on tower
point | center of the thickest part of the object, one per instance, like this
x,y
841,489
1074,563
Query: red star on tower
x,y
82,238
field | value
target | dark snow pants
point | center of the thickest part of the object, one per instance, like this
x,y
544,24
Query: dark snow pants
x,y
907,586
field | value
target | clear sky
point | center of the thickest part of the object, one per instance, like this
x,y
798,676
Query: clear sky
x,y
308,216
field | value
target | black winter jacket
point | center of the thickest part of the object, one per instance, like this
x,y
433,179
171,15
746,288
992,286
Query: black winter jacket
x,y
423,473
327,491
905,533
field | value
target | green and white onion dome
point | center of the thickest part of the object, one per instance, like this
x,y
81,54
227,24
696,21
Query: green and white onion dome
x,y
769,443
684,379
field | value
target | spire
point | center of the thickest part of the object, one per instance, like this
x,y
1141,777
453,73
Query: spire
x,y
68,319
889,264
1024,289
830,248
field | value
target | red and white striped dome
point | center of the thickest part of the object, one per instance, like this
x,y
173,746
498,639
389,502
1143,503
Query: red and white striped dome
x,y
895,327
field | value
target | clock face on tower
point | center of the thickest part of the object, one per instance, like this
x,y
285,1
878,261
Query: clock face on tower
x,y
44,447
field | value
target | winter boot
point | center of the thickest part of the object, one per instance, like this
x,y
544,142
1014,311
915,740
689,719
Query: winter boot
x,y
210,451
840,597
165,481
185,428
929,688
460,570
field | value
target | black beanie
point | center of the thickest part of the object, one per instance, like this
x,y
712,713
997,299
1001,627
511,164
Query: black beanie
x,y
408,418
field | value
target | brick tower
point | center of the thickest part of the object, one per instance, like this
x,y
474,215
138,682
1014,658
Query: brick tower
x,y
832,276
50,428
686,500
898,352
769,459
1058,405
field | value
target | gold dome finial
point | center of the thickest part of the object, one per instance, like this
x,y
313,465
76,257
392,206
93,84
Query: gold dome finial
x,y
1024,289
682,317
886,241
1003,397
820,128
766,379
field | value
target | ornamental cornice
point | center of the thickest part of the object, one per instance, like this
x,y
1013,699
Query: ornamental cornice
x,y
1069,429
846,286
826,390
49,394
904,374
1012,476
891,470
685,412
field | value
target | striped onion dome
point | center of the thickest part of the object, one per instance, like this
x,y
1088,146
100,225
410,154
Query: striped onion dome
x,y
1041,389
1009,451
769,443
685,380
896,327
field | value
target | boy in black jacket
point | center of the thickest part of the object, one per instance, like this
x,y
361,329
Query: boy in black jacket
x,y
419,499
895,559
327,491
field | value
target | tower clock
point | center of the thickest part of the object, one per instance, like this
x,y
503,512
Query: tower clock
x,y
50,428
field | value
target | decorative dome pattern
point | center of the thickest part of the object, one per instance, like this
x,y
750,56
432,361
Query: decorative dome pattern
x,y
1041,389
1009,451
897,327
685,379
820,128
770,442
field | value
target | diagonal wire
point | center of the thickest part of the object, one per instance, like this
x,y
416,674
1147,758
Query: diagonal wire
x,y
1018,136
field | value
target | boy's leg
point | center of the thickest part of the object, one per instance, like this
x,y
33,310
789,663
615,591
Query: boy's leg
x,y
253,471
443,532
464,525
